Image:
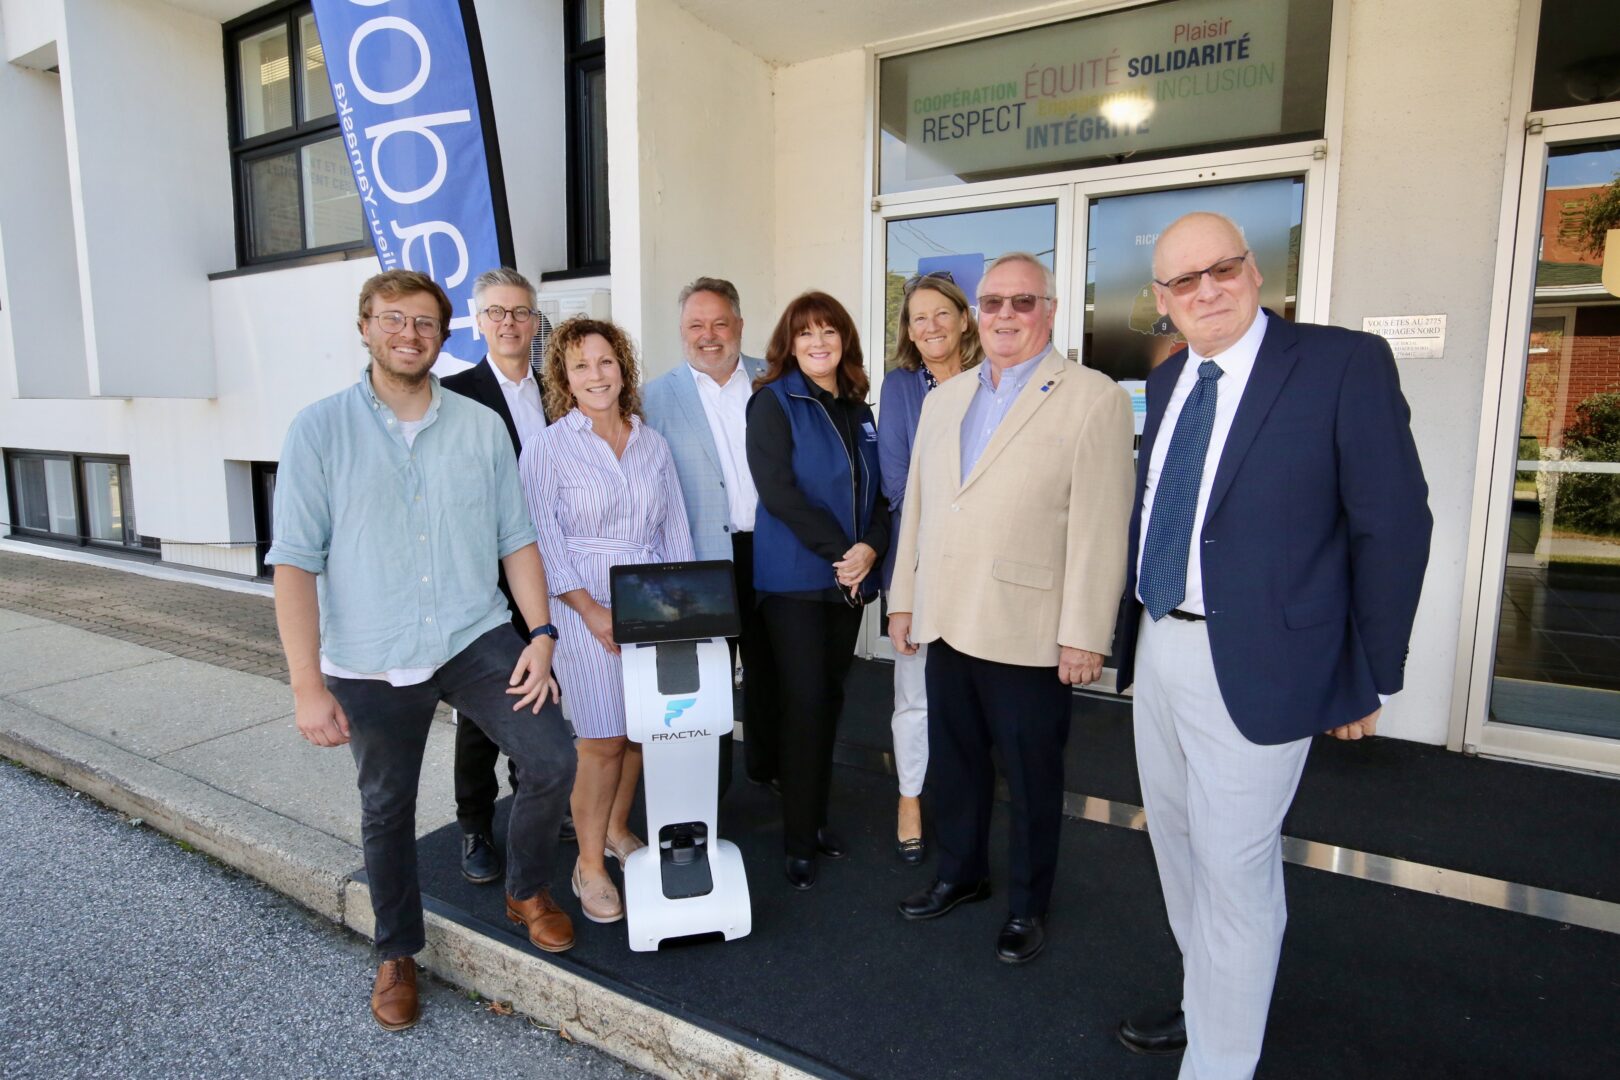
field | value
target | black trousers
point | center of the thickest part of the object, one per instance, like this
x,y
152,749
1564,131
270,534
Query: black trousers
x,y
814,645
477,783
388,733
1023,712
761,700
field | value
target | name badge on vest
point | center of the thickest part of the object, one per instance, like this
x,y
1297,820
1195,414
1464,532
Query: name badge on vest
x,y
871,431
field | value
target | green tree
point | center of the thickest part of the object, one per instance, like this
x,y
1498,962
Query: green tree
x,y
1590,502
1586,223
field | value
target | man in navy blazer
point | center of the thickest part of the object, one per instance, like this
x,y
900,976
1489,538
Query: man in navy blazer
x,y
504,382
700,409
1277,548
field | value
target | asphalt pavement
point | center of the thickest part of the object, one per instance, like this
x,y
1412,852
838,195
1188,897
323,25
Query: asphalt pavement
x,y
123,954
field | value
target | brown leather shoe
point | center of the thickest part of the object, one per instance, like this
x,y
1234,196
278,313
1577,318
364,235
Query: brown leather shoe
x,y
393,995
549,926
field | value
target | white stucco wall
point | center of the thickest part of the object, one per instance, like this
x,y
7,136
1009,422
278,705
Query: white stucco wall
x,y
697,195
523,54
29,26
39,276
821,181
149,169
1420,186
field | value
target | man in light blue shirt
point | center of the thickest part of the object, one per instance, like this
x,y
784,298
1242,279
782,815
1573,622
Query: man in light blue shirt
x,y
395,506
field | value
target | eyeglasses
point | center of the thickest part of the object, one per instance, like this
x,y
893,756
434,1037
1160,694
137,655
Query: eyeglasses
x,y
394,322
935,275
1225,270
495,313
1023,303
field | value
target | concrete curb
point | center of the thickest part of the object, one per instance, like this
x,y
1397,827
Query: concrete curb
x,y
582,1010
315,869
303,863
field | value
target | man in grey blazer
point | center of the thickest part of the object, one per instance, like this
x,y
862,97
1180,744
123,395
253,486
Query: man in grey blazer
x,y
700,409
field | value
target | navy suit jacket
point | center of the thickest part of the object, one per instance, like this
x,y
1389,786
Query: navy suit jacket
x,y
1316,536
479,383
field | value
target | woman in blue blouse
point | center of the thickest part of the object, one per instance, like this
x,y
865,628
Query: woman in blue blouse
x,y
820,530
936,339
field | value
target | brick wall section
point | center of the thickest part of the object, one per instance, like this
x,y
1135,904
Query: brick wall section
x,y
1594,368
226,629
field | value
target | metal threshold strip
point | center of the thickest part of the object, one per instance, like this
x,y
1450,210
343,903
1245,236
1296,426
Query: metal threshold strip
x,y
1489,892
1399,873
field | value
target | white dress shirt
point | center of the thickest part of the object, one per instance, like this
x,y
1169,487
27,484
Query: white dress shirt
x,y
726,407
522,401
1236,364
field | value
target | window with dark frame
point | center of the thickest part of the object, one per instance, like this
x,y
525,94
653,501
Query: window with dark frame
x,y
295,193
85,499
264,504
586,72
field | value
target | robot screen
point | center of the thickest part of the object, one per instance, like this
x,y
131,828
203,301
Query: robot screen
x,y
673,602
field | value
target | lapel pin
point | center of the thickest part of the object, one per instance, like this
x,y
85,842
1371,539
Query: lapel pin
x,y
1049,385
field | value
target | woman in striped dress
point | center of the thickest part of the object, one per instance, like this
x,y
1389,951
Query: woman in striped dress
x,y
602,491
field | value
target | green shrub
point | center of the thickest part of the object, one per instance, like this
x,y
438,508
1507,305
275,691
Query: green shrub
x,y
1590,502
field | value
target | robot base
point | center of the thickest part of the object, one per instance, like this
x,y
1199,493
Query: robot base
x,y
652,918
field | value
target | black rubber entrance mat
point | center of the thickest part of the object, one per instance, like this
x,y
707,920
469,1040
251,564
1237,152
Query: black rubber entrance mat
x,y
1547,828
1374,981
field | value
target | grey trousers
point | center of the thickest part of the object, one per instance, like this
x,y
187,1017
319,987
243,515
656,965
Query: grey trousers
x,y
388,732
1215,803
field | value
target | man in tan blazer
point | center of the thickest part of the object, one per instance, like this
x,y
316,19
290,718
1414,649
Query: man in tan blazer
x,y
1010,564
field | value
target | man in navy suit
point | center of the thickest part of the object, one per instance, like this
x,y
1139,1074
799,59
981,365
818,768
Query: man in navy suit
x,y
1277,549
505,382
700,408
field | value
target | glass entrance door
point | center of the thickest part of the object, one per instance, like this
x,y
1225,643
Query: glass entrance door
x,y
1557,655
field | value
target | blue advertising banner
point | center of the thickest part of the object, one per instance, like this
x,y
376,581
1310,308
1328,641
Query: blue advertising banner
x,y
408,82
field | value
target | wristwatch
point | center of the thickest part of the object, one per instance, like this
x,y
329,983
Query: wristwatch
x,y
549,630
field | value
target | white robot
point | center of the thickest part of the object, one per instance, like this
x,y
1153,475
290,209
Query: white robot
x,y
671,622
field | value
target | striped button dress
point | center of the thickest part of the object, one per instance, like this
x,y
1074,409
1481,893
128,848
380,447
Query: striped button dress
x,y
592,512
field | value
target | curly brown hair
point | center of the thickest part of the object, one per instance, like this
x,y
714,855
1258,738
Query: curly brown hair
x,y
572,334
817,309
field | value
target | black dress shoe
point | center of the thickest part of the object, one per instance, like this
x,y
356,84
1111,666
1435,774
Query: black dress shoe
x,y
1021,940
479,863
1162,1031
565,831
801,873
941,896
829,844
912,850
771,782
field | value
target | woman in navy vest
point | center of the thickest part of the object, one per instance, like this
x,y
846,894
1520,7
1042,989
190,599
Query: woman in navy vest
x,y
820,531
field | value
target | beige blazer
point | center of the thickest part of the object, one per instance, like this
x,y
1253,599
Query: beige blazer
x,y
1029,553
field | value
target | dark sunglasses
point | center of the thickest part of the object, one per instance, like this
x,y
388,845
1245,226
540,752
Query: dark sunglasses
x,y
936,275
1023,303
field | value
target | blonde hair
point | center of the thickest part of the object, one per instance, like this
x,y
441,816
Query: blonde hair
x,y
970,349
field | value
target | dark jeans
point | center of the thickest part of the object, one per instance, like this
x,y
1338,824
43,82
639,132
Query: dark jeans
x,y
477,783
814,645
388,732
1023,712
761,707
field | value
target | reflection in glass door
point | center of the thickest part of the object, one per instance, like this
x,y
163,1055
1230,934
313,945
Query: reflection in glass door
x,y
1125,336
1558,630
961,244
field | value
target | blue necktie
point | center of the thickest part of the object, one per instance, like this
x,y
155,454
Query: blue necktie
x,y
1175,500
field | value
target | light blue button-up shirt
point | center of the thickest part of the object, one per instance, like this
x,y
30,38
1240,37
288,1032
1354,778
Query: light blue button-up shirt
x,y
990,406
406,540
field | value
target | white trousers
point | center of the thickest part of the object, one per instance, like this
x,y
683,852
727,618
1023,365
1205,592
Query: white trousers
x,y
1215,803
910,723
